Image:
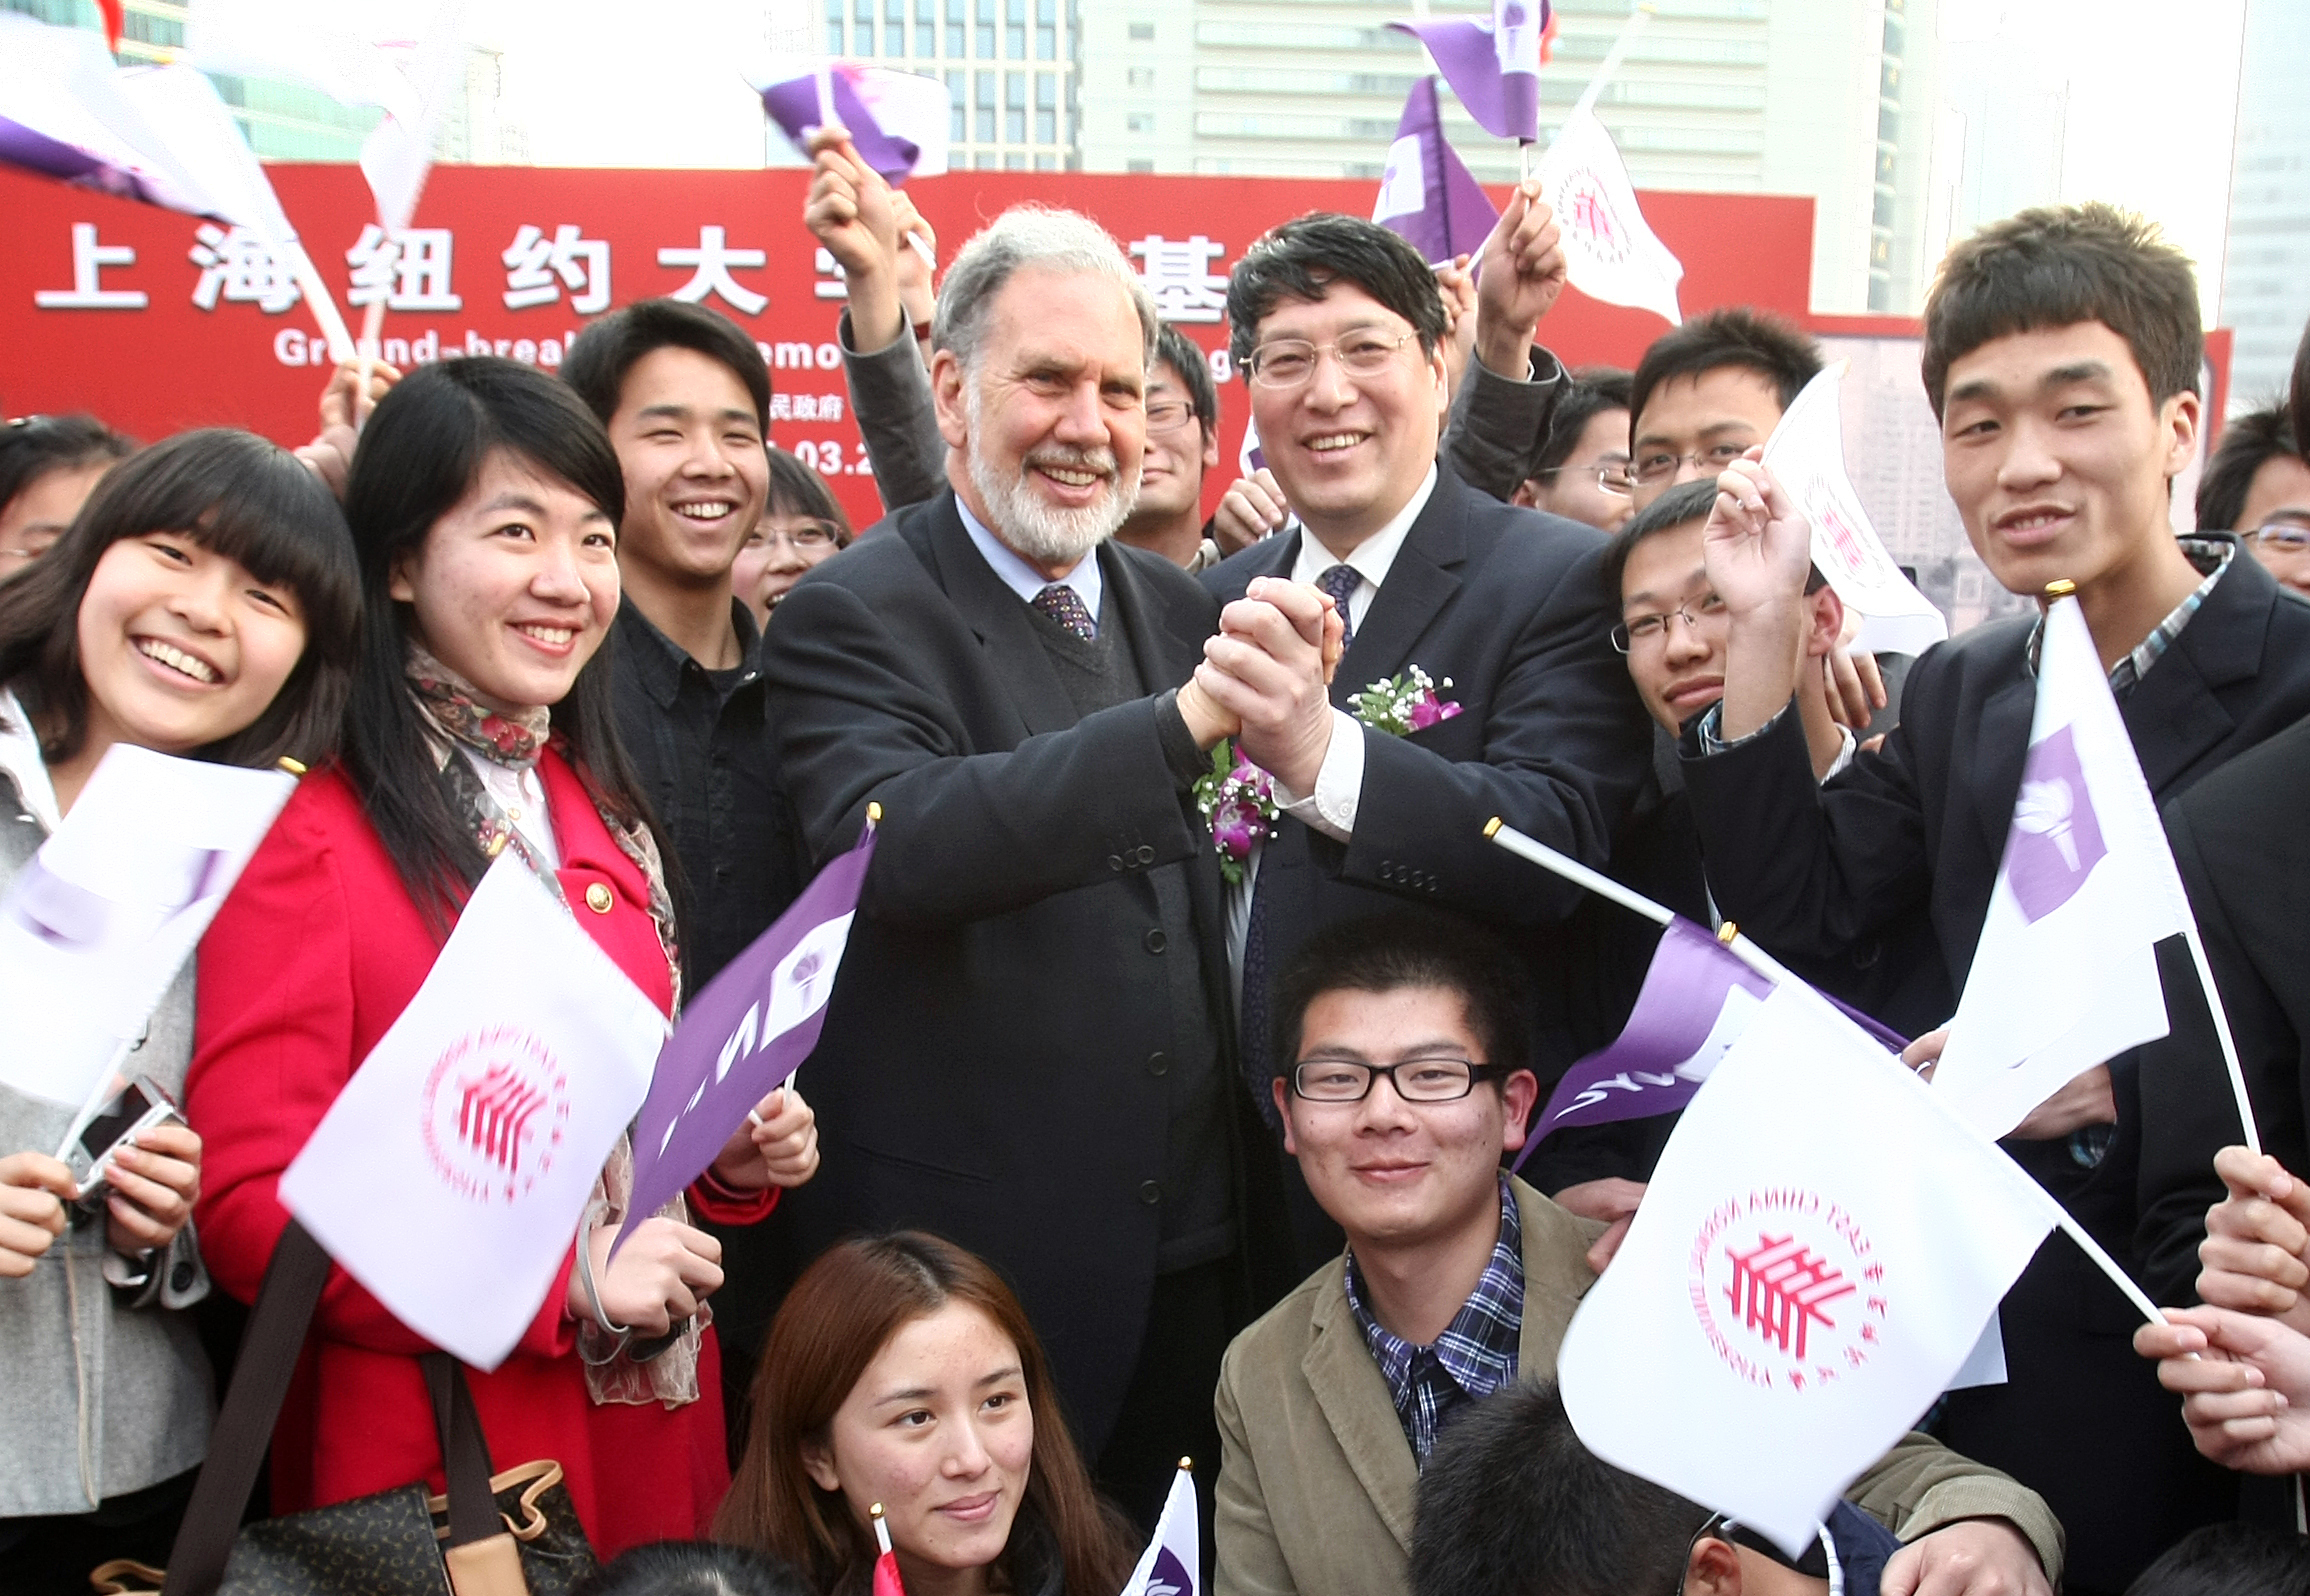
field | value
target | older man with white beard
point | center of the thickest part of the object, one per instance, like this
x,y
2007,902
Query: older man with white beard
x,y
1029,1049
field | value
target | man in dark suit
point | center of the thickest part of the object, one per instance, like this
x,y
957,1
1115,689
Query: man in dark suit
x,y
2061,354
1028,1051
1338,325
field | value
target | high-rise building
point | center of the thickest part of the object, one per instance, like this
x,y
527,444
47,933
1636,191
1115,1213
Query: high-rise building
x,y
1011,66
2266,275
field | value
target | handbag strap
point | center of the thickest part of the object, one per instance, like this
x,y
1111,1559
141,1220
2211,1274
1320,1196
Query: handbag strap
x,y
270,1345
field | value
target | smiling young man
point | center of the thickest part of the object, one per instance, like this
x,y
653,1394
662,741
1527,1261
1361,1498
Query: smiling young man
x,y
2062,349
1337,326
1402,1084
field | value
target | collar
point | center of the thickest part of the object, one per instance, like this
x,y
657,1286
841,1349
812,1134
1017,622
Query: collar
x,y
20,761
1479,1348
2211,556
1375,556
1022,578
657,660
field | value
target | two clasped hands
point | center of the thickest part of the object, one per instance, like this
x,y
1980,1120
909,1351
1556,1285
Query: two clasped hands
x,y
1265,680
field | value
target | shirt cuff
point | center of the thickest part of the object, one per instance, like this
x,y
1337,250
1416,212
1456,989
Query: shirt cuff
x,y
1713,740
1850,746
1339,783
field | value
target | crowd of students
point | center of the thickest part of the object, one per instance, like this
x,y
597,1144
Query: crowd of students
x,y
1132,1135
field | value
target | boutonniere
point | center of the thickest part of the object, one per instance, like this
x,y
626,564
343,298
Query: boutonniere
x,y
1237,800
1404,704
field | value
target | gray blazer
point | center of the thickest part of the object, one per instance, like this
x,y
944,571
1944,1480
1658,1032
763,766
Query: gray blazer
x,y
108,1391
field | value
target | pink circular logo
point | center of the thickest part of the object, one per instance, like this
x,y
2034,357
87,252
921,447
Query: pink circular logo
x,y
496,1107
1584,208
1787,1289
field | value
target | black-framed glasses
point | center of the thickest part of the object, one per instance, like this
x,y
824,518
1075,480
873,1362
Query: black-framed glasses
x,y
1650,631
1169,415
1416,1080
1288,362
1612,476
1654,469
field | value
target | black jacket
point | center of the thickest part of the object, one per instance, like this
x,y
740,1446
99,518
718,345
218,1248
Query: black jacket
x,y
1000,1053
1917,832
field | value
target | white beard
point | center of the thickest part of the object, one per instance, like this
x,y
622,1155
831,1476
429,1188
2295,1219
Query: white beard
x,y
1036,528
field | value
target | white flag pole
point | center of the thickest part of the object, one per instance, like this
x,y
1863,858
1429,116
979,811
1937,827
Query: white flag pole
x,y
2102,1260
2222,1031
1612,59
1574,871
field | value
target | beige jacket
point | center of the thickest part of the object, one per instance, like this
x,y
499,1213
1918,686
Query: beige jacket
x,y
1316,1480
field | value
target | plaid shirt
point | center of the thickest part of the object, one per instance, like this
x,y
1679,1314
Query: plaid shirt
x,y
2210,555
1476,1354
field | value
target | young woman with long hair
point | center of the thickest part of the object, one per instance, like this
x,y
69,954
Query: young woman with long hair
x,y
201,604
901,1370
483,500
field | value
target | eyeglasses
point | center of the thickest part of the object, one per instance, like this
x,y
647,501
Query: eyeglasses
x,y
1288,362
1612,476
1416,1080
1651,630
808,538
1169,415
2282,536
1652,469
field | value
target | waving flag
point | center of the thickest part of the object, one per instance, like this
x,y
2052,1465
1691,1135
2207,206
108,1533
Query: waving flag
x,y
1493,66
2065,975
96,927
750,1028
1609,249
897,121
1172,1565
1807,455
1427,197
1793,1295
487,1109
1696,1001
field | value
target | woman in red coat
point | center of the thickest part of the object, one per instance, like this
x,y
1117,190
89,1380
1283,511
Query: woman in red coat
x,y
484,502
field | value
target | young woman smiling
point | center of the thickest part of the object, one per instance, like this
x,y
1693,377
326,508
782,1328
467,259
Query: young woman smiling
x,y
483,500
901,1370
200,604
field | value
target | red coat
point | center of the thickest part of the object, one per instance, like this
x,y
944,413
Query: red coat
x,y
314,955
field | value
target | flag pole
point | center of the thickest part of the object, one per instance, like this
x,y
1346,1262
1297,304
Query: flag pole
x,y
2103,1261
881,1529
1612,59
1574,871
2222,1031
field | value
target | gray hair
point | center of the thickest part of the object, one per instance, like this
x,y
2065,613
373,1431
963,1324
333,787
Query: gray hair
x,y
1030,236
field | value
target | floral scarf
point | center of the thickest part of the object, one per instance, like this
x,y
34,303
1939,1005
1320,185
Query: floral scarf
x,y
451,706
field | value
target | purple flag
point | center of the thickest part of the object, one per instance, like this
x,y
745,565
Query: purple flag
x,y
1696,1001
793,105
1427,197
750,1028
1494,67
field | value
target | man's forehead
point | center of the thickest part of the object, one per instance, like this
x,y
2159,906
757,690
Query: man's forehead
x,y
1665,563
2018,364
1697,403
1339,303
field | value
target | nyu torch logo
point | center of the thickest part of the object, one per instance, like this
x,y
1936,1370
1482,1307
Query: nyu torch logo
x,y
496,1107
2056,838
1787,1289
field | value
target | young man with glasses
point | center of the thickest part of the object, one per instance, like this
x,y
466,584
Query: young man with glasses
x,y
2258,486
1337,327
1182,444
1402,1082
1580,470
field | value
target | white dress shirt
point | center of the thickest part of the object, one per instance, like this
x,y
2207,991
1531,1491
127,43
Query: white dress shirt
x,y
521,794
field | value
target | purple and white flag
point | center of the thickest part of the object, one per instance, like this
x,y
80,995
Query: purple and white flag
x,y
897,121
1696,1000
1172,1565
1816,1256
1427,197
1494,66
2065,975
750,1028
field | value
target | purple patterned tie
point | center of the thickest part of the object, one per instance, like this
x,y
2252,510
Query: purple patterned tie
x,y
1341,582
1064,605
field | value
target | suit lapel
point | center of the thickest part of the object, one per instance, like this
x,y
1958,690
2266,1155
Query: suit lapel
x,y
1007,640
1353,1394
1164,657
2000,749
1420,583
2173,713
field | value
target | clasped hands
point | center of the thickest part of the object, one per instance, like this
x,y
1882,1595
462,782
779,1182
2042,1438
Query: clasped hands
x,y
667,1268
1265,680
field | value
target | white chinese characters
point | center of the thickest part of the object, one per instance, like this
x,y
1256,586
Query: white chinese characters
x,y
711,262
1177,271
538,268
408,269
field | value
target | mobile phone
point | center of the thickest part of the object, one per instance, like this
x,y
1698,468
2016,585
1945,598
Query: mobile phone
x,y
141,1105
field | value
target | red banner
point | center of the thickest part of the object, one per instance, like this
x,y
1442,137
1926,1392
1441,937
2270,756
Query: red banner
x,y
156,321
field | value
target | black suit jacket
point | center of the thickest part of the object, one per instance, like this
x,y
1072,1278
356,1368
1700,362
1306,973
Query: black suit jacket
x,y
1510,604
994,1059
1918,830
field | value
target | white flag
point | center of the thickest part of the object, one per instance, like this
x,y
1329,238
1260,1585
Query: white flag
x,y
97,926
1172,1565
487,1109
1807,455
1816,1256
1608,246
2065,975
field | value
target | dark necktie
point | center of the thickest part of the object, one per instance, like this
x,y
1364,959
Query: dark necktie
x,y
1064,605
1341,582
